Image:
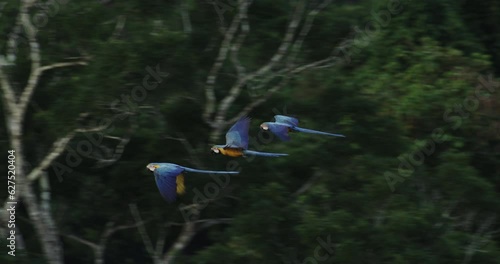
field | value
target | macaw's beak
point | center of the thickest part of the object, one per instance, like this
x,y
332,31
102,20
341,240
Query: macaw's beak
x,y
214,150
264,126
151,167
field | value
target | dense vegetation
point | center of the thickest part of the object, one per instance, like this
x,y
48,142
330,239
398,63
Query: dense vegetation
x,y
413,84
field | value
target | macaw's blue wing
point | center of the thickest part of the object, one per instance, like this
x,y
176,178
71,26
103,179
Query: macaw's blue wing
x,y
170,181
292,121
281,131
237,136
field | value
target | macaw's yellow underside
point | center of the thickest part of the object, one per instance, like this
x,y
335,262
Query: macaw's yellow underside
x,y
231,152
181,189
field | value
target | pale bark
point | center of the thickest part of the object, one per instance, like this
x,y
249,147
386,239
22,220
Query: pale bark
x,y
99,248
15,111
480,239
281,66
189,230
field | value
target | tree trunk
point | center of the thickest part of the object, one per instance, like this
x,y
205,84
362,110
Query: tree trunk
x,y
47,234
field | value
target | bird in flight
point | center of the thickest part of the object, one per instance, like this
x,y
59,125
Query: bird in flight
x,y
169,178
282,125
237,142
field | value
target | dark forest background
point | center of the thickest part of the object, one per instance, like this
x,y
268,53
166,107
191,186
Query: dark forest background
x,y
93,91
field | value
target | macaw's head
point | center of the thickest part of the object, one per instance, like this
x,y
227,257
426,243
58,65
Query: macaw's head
x,y
216,149
153,166
264,126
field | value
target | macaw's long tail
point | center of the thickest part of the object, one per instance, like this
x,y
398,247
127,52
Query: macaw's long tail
x,y
305,130
263,154
210,172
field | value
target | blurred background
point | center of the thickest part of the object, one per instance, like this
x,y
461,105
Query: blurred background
x,y
93,91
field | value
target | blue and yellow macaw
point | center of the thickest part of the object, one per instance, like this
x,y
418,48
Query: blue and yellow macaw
x,y
282,125
237,142
170,179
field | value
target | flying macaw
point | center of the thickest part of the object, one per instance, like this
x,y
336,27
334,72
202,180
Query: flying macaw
x,y
282,125
237,142
170,179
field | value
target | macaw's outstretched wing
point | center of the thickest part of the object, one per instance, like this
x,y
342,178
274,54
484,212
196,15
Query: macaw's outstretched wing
x,y
281,131
237,136
292,121
170,181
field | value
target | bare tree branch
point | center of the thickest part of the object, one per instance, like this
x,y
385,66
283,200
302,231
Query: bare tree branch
x,y
111,229
42,220
216,3
35,57
8,93
187,233
58,148
307,185
30,31
287,39
189,230
38,209
186,19
479,239
249,107
160,241
286,75
100,247
13,42
120,25
144,234
297,45
61,65
235,48
327,62
119,149
205,223
219,61
92,245
277,57
289,48
35,76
